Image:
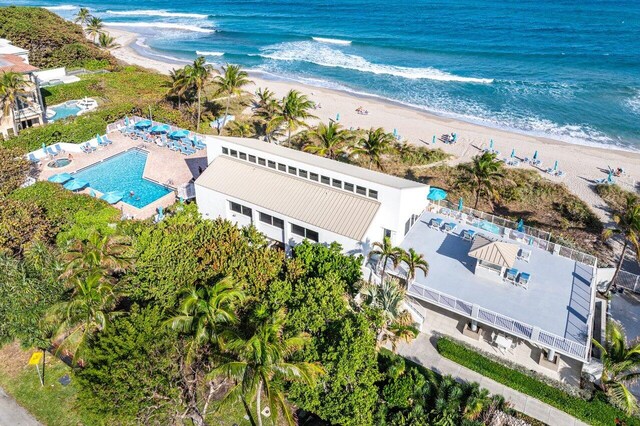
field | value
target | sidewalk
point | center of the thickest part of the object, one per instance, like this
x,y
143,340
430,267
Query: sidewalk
x,y
11,414
423,352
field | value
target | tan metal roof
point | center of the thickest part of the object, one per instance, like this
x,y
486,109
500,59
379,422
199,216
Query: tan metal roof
x,y
15,63
496,252
322,162
299,199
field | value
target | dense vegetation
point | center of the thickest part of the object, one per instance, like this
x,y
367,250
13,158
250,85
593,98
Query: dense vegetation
x,y
52,41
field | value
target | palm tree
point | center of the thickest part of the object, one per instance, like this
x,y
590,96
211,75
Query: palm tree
x,y
388,298
178,85
82,17
241,129
415,262
107,42
374,145
328,140
481,175
96,252
627,224
206,312
620,367
385,252
230,83
291,113
94,27
13,88
261,363
198,75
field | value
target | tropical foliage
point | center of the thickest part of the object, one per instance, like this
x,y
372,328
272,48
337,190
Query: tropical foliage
x,y
230,84
627,226
481,176
373,145
13,88
328,140
291,113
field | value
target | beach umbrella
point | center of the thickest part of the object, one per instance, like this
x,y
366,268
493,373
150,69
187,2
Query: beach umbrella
x,y
535,155
395,132
60,178
433,141
160,128
455,137
143,124
610,177
44,148
555,166
338,117
160,213
513,152
93,193
437,194
460,204
112,197
178,134
126,121
491,144
76,184
520,225
98,139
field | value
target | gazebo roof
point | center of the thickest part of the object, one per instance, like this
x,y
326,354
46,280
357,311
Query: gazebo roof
x,y
497,252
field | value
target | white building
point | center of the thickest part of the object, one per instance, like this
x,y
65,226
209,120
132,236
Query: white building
x,y
290,195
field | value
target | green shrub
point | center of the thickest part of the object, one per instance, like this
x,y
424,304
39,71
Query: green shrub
x,y
596,411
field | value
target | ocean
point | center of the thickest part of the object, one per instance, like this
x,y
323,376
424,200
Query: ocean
x,y
565,69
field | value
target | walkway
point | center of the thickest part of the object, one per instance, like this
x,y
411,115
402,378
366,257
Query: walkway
x,y
423,352
11,414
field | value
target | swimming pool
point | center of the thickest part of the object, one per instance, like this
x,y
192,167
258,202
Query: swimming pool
x,y
65,110
123,172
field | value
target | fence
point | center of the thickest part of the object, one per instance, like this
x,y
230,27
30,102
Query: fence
x,y
501,322
628,281
534,236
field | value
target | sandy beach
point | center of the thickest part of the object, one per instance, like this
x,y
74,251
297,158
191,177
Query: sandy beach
x,y
581,164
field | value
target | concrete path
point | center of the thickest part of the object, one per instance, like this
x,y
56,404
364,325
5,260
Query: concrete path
x,y
11,414
423,352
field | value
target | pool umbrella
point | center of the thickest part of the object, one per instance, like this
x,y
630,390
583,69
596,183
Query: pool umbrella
x,y
520,225
112,197
44,148
535,155
76,184
555,166
433,141
338,117
160,128
143,123
395,132
513,152
455,137
126,121
460,204
98,139
60,178
437,194
178,134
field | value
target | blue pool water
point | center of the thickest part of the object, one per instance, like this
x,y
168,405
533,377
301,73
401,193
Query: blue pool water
x,y
64,111
123,172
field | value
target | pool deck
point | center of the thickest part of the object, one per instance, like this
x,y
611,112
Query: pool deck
x,y
163,166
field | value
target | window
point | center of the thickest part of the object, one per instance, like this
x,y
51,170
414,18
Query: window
x,y
243,156
373,194
387,233
279,223
325,180
238,208
262,161
312,235
293,170
282,167
348,186
270,220
304,232
407,226
265,218
337,183
313,176
272,164
252,158
225,150
234,153
298,230
361,190
303,173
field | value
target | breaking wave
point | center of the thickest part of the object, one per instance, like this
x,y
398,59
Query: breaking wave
x,y
164,25
205,53
162,13
332,41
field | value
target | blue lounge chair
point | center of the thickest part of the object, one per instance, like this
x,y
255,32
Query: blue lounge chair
x,y
523,279
186,150
436,223
198,144
100,141
86,148
58,149
468,234
107,140
33,158
51,152
450,226
173,146
511,275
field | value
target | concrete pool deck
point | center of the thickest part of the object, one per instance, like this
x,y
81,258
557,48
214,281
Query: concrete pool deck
x,y
163,166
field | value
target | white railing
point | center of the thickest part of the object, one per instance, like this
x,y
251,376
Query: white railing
x,y
501,322
628,281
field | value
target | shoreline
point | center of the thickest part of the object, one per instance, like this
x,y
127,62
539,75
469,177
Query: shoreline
x,y
582,163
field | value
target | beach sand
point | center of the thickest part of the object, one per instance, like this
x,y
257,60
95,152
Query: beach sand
x,y
582,164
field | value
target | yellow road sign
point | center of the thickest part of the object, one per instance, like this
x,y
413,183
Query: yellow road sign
x,y
35,359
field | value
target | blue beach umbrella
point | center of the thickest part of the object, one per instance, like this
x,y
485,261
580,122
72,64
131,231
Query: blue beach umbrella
x,y
44,148
112,197
520,225
98,139
395,132
60,178
160,128
178,134
338,117
535,155
437,194
513,152
555,166
491,144
455,137
433,141
143,124
460,204
76,184
610,177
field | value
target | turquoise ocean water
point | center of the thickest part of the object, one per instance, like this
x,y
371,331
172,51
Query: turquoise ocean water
x,y
567,69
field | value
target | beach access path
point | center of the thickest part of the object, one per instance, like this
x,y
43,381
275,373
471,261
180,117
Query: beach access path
x,y
422,351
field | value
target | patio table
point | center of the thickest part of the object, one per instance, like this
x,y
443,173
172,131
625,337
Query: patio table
x,y
503,342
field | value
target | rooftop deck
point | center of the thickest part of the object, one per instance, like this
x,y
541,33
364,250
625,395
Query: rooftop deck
x,y
555,310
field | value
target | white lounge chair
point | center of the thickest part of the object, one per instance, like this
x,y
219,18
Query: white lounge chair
x,y
524,255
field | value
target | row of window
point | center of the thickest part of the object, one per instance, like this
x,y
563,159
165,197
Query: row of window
x,y
409,223
336,183
275,221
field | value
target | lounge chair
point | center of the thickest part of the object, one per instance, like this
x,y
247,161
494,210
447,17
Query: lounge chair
x,y
86,148
198,144
186,150
33,159
524,255
511,275
436,223
50,151
561,174
450,227
523,279
468,234
107,140
58,149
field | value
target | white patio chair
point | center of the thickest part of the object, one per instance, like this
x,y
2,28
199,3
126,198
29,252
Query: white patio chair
x,y
524,255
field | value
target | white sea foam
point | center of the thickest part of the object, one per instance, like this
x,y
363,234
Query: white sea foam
x,y
62,7
331,40
328,57
141,42
633,103
205,53
162,25
160,12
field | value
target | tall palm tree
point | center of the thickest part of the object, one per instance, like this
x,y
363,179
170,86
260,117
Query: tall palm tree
x,y
291,113
107,42
13,88
261,363
82,17
230,83
206,312
627,224
481,175
328,140
620,367
374,145
105,253
385,252
198,75
241,129
94,27
178,85
415,262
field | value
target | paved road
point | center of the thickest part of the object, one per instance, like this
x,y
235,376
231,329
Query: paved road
x,y
11,414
